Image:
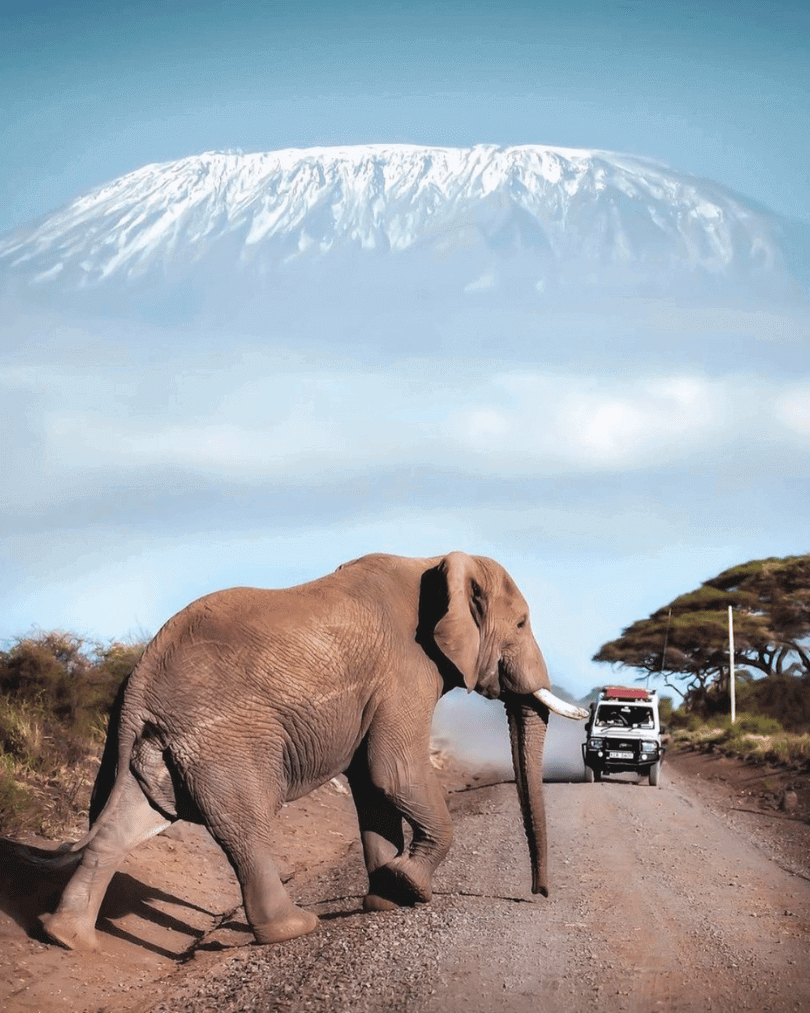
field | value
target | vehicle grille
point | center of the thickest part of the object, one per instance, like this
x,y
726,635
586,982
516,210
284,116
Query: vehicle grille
x,y
622,744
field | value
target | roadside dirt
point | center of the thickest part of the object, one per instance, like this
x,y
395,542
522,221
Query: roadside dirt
x,y
770,805
694,896
174,896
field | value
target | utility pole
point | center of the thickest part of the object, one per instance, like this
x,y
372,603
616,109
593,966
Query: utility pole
x,y
731,686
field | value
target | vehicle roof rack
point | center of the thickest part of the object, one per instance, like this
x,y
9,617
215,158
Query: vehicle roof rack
x,y
626,693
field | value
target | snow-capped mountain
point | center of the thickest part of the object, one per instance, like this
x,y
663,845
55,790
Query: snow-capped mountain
x,y
554,217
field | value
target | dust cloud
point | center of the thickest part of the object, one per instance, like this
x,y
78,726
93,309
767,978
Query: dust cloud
x,y
474,731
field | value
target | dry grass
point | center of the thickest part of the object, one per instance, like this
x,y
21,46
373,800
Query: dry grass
x,y
776,747
45,779
787,748
46,771
55,697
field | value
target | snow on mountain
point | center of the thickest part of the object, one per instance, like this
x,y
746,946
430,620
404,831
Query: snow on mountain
x,y
557,213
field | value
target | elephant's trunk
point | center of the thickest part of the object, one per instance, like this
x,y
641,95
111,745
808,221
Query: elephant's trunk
x,y
528,719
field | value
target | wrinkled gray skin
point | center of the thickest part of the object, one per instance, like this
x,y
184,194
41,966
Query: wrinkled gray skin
x,y
249,698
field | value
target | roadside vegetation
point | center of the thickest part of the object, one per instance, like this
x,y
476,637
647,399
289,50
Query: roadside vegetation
x,y
755,738
685,645
56,691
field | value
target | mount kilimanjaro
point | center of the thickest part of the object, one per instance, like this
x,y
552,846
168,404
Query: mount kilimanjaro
x,y
551,222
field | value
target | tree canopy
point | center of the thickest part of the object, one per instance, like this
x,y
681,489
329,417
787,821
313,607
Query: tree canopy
x,y
687,640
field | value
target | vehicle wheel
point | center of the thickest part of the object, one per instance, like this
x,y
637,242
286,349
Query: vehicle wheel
x,y
590,777
655,774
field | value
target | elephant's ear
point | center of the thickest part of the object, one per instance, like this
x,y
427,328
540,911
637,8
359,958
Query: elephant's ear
x,y
457,633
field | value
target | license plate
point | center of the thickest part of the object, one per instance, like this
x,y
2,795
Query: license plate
x,y
621,756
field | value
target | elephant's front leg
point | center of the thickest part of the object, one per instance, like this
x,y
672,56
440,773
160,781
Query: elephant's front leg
x,y
394,788
379,819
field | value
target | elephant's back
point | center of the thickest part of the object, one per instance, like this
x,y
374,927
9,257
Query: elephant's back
x,y
254,644
249,670
376,587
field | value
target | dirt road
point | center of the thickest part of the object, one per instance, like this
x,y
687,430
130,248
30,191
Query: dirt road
x,y
659,902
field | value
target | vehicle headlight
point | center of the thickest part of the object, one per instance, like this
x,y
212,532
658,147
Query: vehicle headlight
x,y
649,747
595,743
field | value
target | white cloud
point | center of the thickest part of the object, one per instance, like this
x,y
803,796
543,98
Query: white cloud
x,y
150,467
252,423
793,409
547,423
484,283
609,429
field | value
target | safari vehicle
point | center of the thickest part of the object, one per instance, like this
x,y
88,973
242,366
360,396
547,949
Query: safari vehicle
x,y
623,733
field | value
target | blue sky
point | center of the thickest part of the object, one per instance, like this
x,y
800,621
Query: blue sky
x,y
92,90
685,433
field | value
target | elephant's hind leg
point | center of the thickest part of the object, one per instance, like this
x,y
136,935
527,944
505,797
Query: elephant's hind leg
x,y
243,828
268,907
128,824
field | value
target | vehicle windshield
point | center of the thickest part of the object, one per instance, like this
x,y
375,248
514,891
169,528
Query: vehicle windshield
x,y
622,716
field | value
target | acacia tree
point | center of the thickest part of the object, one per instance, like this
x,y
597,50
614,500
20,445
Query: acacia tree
x,y
776,594
687,640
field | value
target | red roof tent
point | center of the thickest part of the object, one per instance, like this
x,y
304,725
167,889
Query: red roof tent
x,y
626,693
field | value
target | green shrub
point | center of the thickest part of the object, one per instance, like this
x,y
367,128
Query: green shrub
x,y
783,697
746,724
114,663
680,718
744,745
67,679
753,736
48,669
789,749
757,724
665,711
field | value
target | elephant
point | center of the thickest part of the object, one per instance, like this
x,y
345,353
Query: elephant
x,y
249,698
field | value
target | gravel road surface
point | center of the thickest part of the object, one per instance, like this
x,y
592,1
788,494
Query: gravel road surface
x,y
658,902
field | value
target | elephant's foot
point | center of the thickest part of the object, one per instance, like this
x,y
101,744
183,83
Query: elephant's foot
x,y
294,922
69,931
398,883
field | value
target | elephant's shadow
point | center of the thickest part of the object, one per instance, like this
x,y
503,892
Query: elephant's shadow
x,y
28,890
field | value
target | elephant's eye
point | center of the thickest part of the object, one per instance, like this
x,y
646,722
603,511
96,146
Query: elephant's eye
x,y
522,623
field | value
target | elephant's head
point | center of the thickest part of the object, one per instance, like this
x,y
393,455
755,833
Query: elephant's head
x,y
486,634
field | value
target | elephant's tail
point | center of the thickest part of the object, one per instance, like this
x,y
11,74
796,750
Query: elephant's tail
x,y
107,772
60,858
70,852
114,759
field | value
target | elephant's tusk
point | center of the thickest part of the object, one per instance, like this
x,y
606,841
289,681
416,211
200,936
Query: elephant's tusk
x,y
554,703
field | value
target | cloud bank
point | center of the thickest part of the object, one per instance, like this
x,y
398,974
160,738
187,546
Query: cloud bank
x,y
610,466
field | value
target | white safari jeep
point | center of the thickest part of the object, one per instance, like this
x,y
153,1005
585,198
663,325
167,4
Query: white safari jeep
x,y
623,733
